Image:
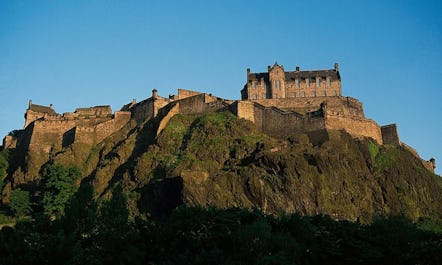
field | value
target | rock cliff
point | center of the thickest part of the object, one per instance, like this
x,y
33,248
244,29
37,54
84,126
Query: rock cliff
x,y
217,159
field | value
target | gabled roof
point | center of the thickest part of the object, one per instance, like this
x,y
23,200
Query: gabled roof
x,y
41,109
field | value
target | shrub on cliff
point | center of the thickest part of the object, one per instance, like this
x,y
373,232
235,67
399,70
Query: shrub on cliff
x,y
19,202
59,185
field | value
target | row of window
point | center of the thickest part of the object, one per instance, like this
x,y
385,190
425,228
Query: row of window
x,y
277,83
302,94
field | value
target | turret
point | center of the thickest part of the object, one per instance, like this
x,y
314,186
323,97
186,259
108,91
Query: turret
x,y
154,94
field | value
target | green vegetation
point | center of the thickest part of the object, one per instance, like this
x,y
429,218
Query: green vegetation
x,y
88,234
3,167
59,185
20,203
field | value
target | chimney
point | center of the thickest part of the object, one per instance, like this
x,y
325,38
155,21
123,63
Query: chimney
x,y
268,68
336,67
154,93
30,104
134,101
51,106
297,68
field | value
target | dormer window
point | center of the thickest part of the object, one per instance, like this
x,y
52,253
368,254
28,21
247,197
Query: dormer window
x,y
328,81
318,81
307,82
297,82
254,85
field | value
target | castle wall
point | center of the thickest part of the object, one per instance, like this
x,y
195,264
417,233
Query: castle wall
x,y
276,122
174,110
390,135
31,116
356,126
183,93
143,110
341,105
94,111
105,129
47,135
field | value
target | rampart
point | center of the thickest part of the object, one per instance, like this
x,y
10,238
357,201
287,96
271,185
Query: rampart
x,y
280,117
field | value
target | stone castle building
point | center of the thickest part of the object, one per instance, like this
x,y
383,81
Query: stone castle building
x,y
278,83
279,103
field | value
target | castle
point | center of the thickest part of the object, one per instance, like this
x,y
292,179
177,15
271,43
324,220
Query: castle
x,y
277,83
279,103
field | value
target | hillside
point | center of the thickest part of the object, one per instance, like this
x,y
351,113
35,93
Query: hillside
x,y
217,159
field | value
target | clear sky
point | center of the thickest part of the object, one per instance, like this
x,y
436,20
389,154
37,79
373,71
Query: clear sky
x,y
85,53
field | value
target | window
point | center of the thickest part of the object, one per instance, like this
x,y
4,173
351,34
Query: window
x,y
293,94
328,81
278,84
314,94
254,85
264,96
297,82
303,94
318,81
307,82
335,93
324,93
254,96
263,85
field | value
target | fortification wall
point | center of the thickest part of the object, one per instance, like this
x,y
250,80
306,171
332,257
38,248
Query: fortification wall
x,y
390,135
183,93
276,122
342,105
47,135
356,126
174,110
143,110
107,128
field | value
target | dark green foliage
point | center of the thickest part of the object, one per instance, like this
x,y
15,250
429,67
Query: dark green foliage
x,y
59,185
3,167
211,236
19,202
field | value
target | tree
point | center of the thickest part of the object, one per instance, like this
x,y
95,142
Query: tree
x,y
19,202
59,185
3,168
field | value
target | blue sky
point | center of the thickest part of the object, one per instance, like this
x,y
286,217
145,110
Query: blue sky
x,y
84,53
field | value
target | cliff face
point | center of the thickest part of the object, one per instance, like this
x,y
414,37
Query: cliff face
x,y
219,160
